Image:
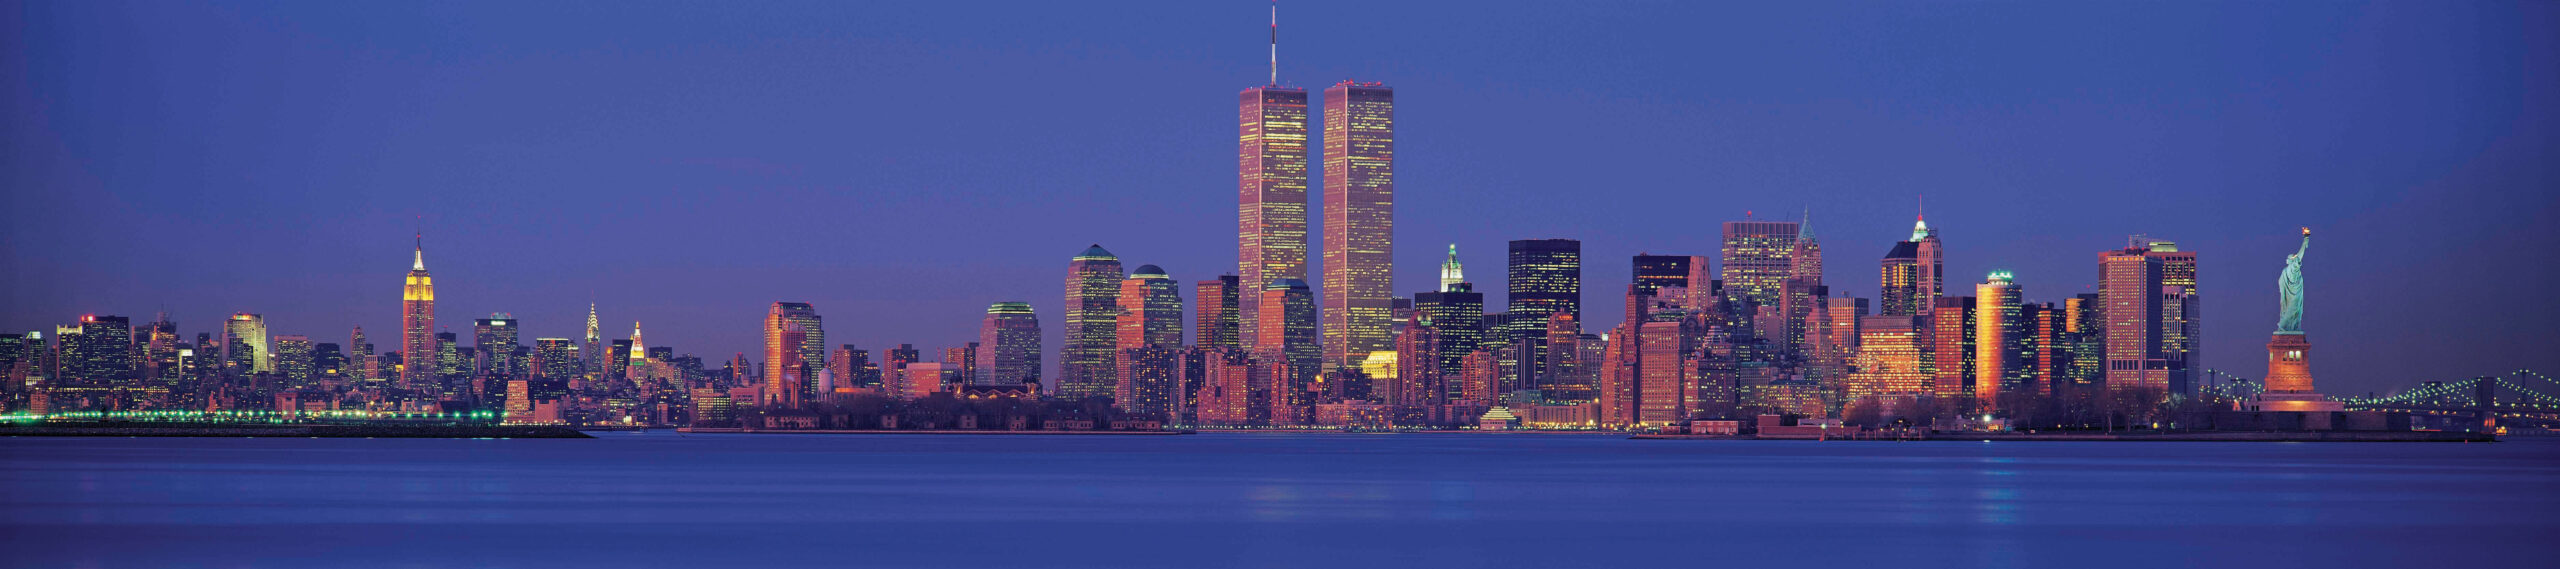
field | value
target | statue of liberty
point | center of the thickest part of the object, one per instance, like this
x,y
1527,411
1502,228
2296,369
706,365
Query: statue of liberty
x,y
2289,286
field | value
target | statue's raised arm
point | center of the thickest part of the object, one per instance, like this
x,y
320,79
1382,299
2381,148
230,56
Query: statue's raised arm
x,y
2289,288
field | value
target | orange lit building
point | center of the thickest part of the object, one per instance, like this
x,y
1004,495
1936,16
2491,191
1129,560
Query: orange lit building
x,y
1997,339
1951,330
1892,358
790,361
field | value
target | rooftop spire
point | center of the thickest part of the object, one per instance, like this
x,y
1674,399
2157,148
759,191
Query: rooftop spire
x,y
1275,42
1804,227
1920,227
1451,274
419,263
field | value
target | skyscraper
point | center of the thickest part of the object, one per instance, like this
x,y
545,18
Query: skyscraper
x,y
1476,377
1359,220
1951,329
1656,272
1999,340
788,381
328,365
1419,379
448,365
638,354
293,360
617,363
1663,370
1545,278
367,365
1803,295
1271,207
1008,346
1148,340
2181,316
105,348
14,349
1930,258
1289,309
1085,367
595,344
2084,339
496,338
1892,358
1149,310
1565,375
808,349
1620,394
1899,280
1837,335
556,359
1456,314
1913,273
1652,274
1804,261
244,344
417,326
1759,256
2149,315
1215,317
160,364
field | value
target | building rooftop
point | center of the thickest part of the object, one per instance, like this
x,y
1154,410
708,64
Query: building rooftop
x,y
1904,250
1095,252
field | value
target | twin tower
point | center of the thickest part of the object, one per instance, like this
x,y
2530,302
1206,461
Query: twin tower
x,y
1357,307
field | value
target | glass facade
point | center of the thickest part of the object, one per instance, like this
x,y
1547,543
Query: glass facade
x,y
1359,221
1271,206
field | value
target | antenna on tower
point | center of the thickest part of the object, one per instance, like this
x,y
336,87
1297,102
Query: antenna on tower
x,y
420,260
1275,42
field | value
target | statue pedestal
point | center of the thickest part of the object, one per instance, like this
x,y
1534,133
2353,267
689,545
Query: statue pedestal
x,y
2289,377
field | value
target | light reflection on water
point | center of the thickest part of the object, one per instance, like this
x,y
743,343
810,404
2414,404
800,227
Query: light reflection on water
x,y
1279,500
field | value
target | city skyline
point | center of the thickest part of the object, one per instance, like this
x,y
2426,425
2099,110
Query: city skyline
x,y
609,252
812,282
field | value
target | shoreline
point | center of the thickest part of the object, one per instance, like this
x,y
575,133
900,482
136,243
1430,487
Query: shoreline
x,y
2207,436
293,431
739,431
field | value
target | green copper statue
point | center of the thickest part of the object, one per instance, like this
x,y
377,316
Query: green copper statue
x,y
2289,285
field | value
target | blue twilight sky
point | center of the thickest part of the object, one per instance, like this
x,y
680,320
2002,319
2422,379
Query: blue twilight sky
x,y
901,165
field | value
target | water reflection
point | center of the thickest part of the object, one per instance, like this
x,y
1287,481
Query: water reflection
x,y
1260,500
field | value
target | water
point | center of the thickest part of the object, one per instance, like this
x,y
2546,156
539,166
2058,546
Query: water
x,y
1267,500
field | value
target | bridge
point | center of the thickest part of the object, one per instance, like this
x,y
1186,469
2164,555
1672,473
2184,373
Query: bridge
x,y
2522,398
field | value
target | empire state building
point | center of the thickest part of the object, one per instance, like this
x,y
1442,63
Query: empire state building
x,y
418,326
